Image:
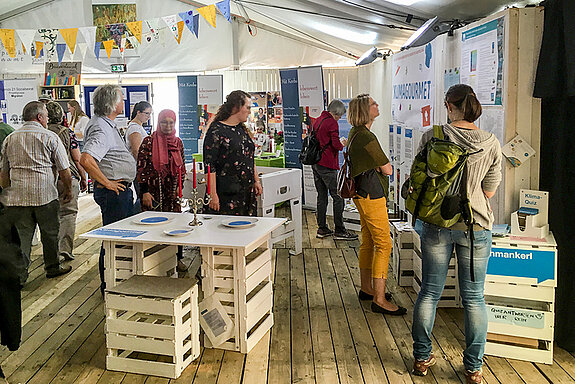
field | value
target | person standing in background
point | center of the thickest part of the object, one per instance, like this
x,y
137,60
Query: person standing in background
x,y
68,210
108,161
78,121
325,171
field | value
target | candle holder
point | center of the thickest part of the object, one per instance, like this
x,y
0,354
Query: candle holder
x,y
194,203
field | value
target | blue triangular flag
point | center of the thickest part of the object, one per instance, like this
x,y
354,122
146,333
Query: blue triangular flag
x,y
97,49
224,8
60,48
196,24
188,18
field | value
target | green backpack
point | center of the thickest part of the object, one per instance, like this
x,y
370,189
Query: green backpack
x,y
436,191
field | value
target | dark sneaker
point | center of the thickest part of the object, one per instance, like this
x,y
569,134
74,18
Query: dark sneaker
x,y
321,233
345,236
475,377
420,366
58,272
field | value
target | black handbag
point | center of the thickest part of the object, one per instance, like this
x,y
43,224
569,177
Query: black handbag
x,y
345,181
311,150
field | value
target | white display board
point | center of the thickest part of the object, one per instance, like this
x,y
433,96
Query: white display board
x,y
17,94
210,90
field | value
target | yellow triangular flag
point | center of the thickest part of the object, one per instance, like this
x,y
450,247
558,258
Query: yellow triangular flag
x,y
181,25
108,44
136,28
8,37
70,35
209,13
39,46
23,48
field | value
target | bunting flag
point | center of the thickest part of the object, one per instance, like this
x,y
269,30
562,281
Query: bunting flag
x,y
171,22
132,39
152,25
83,47
122,46
136,28
180,31
224,8
70,35
108,44
8,37
39,48
196,25
49,36
209,13
26,37
97,49
61,49
23,48
89,34
188,18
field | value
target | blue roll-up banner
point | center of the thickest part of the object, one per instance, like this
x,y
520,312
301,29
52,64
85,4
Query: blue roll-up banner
x,y
292,123
3,102
188,114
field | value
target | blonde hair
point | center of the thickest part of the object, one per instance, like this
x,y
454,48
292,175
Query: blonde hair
x,y
77,112
358,111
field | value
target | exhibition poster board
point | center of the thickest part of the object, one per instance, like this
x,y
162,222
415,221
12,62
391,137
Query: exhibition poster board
x,y
14,95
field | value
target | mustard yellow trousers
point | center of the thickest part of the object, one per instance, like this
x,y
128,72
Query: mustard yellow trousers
x,y
375,247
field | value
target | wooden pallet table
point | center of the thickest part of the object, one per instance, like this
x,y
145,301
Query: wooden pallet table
x,y
402,253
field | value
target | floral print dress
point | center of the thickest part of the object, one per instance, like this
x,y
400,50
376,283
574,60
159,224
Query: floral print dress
x,y
229,151
164,191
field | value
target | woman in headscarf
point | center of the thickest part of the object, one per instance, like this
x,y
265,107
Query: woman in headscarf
x,y
161,169
229,151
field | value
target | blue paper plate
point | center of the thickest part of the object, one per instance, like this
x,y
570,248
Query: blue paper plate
x,y
153,220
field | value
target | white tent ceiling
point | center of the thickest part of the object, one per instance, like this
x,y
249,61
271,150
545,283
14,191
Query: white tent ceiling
x,y
294,32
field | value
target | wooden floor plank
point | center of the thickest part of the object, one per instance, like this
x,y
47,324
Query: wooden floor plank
x,y
343,344
209,366
324,361
565,360
279,368
301,349
395,369
232,368
256,362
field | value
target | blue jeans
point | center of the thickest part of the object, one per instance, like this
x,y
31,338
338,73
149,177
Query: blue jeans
x,y
114,208
437,246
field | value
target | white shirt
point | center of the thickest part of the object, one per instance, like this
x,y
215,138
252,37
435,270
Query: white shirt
x,y
134,128
80,127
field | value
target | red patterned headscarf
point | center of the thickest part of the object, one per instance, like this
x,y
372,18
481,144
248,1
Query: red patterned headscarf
x,y
166,155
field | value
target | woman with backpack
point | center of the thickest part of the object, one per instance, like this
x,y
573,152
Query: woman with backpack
x,y
438,243
370,169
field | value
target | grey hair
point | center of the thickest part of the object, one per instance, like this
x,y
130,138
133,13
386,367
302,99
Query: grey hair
x,y
55,113
106,98
32,110
337,107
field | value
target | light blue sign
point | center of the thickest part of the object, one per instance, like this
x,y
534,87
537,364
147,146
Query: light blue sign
x,y
522,263
514,316
123,233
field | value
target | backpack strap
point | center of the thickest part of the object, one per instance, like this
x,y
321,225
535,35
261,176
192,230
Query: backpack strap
x,y
313,130
438,132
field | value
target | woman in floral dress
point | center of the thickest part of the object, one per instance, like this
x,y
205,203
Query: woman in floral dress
x,y
229,151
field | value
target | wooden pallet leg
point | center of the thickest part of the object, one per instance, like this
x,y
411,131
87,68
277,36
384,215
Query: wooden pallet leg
x,y
296,215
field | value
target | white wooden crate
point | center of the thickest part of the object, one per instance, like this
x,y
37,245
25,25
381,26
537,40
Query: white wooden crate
x,y
243,284
279,185
402,254
511,347
123,260
152,315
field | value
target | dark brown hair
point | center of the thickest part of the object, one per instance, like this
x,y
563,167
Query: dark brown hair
x,y
234,101
464,99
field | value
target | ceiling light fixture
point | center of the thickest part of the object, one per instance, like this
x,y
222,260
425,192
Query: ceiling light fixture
x,y
427,32
372,54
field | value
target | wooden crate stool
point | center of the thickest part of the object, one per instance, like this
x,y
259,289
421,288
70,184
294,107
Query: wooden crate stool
x,y
156,316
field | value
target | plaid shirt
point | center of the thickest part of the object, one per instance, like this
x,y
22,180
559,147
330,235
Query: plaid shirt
x,y
32,155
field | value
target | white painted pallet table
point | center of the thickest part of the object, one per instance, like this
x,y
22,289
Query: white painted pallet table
x,y
402,254
152,315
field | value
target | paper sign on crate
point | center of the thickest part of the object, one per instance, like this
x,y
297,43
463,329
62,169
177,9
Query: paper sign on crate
x,y
515,316
215,321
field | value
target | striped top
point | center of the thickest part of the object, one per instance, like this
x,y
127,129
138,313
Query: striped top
x,y
483,168
32,155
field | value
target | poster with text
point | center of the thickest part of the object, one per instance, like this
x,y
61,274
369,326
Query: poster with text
x,y
210,97
17,93
413,87
482,61
188,114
